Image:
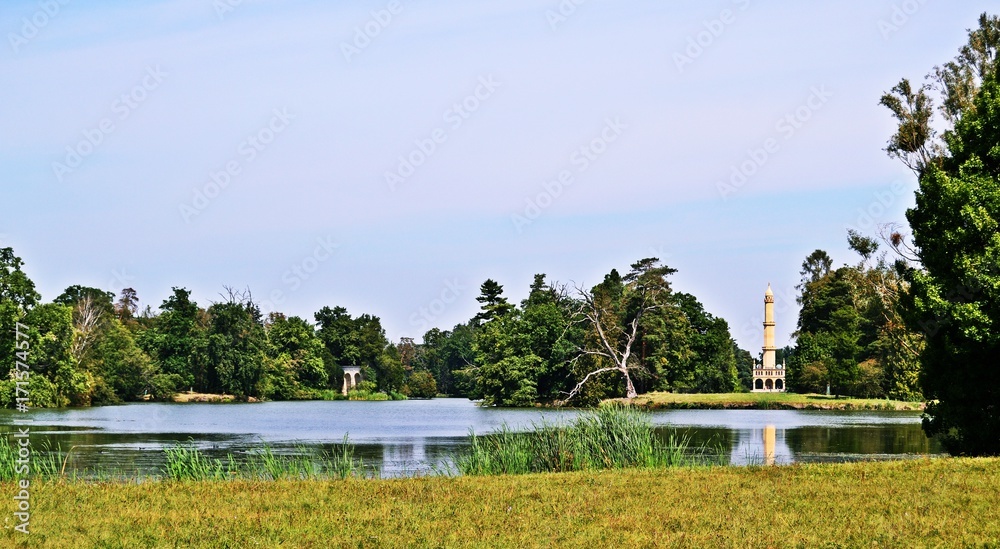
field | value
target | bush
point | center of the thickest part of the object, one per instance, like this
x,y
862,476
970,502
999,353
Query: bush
x,y
164,386
366,390
420,385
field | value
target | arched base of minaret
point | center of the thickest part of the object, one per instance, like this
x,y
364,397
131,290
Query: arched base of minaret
x,y
769,381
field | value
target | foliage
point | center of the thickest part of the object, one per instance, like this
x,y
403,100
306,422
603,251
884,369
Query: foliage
x,y
520,352
493,302
420,385
444,353
507,367
367,390
119,363
744,367
712,361
361,342
296,365
89,348
236,346
850,335
637,328
767,401
954,293
178,340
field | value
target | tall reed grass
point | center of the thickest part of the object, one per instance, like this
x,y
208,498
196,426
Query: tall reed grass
x,y
186,462
44,461
612,437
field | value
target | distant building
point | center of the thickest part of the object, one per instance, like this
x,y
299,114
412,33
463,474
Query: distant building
x,y
768,377
352,378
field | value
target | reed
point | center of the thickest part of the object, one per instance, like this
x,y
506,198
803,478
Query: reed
x,y
612,437
44,461
342,464
187,463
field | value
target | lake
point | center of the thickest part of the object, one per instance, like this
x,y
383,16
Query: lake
x,y
401,438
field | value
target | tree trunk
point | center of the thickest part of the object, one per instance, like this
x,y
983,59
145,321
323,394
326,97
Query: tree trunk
x,y
629,388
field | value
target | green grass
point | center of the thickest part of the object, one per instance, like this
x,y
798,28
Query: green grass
x,y
187,463
920,503
361,394
44,460
766,401
613,437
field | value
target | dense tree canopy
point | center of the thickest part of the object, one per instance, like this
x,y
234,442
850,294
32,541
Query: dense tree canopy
x,y
90,346
954,293
850,336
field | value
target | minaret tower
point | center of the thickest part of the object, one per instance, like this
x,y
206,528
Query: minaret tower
x,y
769,329
768,377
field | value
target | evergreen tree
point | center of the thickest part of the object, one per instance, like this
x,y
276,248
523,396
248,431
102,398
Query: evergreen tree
x,y
954,297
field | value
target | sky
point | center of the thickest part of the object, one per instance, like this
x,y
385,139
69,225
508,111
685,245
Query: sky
x,y
390,156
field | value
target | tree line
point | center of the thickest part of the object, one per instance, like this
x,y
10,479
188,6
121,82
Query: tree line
x,y
89,346
851,338
627,335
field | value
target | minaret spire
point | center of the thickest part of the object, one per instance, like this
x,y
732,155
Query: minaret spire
x,y
769,328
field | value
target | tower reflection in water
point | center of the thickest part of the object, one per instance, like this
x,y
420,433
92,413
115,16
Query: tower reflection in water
x,y
764,446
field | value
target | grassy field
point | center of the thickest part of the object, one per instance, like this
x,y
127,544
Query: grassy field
x,y
925,503
766,401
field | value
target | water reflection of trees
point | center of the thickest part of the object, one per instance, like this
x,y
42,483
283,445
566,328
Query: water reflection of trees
x,y
880,439
746,446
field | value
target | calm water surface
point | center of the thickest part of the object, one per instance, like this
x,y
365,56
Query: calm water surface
x,y
421,436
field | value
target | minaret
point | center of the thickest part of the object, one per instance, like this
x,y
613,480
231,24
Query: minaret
x,y
769,329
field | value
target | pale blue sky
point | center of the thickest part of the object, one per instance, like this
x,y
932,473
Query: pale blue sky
x,y
309,128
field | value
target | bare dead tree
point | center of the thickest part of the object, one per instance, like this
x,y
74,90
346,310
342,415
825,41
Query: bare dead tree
x,y
232,296
614,337
87,317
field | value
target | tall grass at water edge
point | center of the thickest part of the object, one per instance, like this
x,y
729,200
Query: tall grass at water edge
x,y
612,437
43,462
186,462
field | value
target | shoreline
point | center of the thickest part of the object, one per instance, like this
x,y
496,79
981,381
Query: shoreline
x,y
191,396
763,401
